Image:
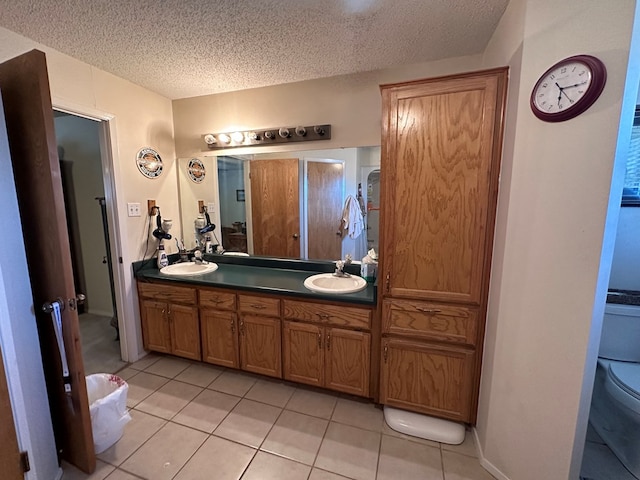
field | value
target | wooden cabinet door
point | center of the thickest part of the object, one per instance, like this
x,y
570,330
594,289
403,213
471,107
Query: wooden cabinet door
x,y
426,378
347,361
441,158
156,334
303,353
219,338
260,345
185,331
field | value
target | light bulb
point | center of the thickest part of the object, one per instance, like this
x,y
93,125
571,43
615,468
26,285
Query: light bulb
x,y
237,137
224,138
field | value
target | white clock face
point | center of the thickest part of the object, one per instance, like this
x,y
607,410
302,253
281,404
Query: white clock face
x,y
562,87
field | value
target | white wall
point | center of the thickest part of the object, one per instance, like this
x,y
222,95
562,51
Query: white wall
x,y
81,142
552,252
350,103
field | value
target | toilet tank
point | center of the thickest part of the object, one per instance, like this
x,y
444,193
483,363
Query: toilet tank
x,y
620,338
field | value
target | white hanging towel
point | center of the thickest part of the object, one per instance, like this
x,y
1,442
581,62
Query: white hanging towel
x,y
352,220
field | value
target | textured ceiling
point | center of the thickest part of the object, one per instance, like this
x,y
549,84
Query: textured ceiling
x,y
186,48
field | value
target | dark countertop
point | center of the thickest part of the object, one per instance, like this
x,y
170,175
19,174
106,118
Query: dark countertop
x,y
623,297
260,275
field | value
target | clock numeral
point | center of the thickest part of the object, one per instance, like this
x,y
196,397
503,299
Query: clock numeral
x,y
552,76
580,92
573,69
545,85
563,70
582,73
550,107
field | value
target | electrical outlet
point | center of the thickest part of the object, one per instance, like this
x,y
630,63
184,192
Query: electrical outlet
x,y
133,209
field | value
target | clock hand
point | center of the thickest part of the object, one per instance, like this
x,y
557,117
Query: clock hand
x,y
559,93
562,91
571,86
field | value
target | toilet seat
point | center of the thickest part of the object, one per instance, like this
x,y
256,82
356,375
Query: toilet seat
x,y
623,383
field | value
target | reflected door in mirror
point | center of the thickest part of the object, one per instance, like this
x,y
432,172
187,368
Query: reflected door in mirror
x,y
324,209
275,207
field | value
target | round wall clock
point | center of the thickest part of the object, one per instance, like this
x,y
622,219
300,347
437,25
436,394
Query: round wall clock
x,y
568,88
149,163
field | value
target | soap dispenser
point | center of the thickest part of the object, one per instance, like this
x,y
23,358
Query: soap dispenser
x,y
163,261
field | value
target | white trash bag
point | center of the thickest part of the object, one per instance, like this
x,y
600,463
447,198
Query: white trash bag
x,y
108,408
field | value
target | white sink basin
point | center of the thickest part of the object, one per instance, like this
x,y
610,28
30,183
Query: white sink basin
x,y
188,269
330,283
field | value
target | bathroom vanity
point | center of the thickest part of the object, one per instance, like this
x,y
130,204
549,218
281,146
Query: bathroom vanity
x,y
262,319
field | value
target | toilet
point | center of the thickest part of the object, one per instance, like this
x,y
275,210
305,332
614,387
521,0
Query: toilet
x,y
615,405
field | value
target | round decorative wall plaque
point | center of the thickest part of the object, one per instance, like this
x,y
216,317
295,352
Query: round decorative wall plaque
x,y
196,170
149,162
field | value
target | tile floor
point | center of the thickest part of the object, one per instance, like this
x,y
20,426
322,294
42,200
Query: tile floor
x,y
599,462
100,349
197,421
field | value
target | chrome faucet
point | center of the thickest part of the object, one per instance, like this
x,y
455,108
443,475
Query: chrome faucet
x,y
340,264
197,257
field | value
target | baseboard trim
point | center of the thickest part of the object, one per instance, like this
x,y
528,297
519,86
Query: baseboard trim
x,y
486,464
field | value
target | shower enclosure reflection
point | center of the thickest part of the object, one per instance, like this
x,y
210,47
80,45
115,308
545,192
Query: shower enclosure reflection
x,y
283,204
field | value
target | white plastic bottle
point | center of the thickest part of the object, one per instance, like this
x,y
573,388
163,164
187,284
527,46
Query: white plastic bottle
x,y
163,261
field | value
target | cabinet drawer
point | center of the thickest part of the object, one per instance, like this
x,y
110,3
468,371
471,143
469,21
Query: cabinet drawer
x,y
217,299
259,305
432,321
328,314
167,293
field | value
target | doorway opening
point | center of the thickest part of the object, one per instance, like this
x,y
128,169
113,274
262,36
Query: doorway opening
x,y
84,185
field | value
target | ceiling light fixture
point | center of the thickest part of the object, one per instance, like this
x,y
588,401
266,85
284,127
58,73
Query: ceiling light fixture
x,y
269,136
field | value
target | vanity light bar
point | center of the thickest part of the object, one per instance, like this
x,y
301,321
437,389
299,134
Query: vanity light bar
x,y
269,136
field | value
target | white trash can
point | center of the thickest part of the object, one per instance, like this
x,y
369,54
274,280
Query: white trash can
x,y
108,408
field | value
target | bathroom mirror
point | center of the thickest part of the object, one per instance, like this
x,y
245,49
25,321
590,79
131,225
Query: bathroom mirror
x,y
283,204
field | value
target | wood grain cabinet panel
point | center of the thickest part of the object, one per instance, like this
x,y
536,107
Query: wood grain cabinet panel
x,y
338,315
303,353
267,306
431,321
217,299
260,345
170,327
156,334
185,331
327,357
425,378
347,364
219,338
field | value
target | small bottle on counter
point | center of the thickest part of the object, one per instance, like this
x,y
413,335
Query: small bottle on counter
x,y
163,261
208,246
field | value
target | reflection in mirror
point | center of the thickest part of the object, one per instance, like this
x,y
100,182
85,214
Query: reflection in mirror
x,y
288,204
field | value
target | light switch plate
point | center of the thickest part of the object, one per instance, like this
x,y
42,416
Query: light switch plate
x,y
211,208
133,209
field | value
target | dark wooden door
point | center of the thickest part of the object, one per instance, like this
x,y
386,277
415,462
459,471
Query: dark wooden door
x,y
275,207
324,210
10,464
29,115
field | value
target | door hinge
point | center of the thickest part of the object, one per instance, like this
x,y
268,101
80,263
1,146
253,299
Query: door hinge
x,y
24,461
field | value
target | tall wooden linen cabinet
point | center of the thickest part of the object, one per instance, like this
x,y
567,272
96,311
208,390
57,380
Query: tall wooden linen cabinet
x,y
441,149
